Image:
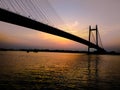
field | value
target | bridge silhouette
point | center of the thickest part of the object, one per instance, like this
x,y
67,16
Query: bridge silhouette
x,y
14,18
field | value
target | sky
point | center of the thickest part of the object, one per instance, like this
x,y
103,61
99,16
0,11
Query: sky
x,y
73,16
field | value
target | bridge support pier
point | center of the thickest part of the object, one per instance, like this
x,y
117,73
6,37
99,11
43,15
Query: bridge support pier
x,y
90,31
13,18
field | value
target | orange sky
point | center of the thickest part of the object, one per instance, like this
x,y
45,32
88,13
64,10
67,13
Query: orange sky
x,y
77,15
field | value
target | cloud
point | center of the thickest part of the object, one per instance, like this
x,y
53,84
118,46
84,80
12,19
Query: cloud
x,y
73,25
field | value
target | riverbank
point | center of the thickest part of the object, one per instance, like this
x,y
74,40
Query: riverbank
x,y
61,51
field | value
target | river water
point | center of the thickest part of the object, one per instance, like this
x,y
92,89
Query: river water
x,y
58,71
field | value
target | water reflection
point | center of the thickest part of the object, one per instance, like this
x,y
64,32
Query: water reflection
x,y
93,81
56,71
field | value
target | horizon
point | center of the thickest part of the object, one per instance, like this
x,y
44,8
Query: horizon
x,y
77,15
57,50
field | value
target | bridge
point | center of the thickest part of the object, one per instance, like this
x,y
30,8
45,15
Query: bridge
x,y
17,19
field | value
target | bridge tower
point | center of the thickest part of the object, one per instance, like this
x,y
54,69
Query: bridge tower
x,y
96,39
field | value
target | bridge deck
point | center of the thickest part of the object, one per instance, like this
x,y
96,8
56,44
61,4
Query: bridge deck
x,y
14,18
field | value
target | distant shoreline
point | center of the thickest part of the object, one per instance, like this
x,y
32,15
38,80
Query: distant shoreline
x,y
61,51
43,50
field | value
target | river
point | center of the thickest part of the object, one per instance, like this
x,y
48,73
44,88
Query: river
x,y
58,71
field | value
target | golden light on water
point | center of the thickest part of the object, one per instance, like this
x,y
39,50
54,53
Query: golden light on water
x,y
66,70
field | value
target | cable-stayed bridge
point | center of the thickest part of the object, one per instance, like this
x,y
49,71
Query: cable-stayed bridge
x,y
33,14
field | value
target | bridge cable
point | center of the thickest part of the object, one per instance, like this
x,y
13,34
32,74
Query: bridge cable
x,y
14,9
27,9
93,37
24,10
4,3
20,6
53,13
30,6
31,10
60,20
100,40
38,12
42,10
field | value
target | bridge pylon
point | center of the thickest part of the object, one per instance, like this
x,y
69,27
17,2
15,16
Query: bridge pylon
x,y
96,39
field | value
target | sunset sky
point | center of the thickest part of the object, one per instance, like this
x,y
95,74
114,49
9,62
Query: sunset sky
x,y
75,17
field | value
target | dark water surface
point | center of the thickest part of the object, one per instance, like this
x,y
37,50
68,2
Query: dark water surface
x,y
58,71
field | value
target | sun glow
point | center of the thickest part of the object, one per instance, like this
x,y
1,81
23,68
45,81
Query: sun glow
x,y
54,39
75,28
